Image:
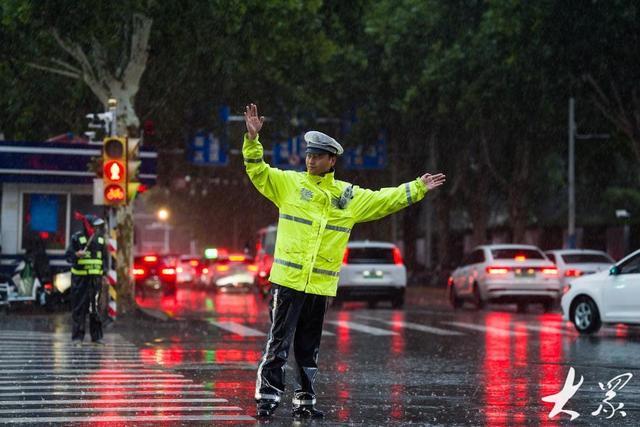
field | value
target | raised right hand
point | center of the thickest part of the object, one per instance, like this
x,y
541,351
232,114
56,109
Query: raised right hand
x,y
253,122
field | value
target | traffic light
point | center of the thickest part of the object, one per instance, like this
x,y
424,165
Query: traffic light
x,y
133,168
114,170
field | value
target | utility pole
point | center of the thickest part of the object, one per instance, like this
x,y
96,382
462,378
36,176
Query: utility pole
x,y
573,135
571,231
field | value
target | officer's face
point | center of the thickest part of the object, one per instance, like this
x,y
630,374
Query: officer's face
x,y
319,164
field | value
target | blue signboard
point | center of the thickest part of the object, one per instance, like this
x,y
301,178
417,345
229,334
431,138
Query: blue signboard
x,y
290,154
207,150
372,156
44,212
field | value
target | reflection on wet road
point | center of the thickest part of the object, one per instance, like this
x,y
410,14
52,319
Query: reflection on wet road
x,y
425,364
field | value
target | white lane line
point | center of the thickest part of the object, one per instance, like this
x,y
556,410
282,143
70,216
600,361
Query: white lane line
x,y
362,328
121,419
490,329
107,387
422,328
84,364
99,380
238,329
124,409
97,370
40,402
103,393
328,334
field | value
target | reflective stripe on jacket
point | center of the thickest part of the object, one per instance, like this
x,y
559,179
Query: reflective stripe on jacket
x,y
312,230
91,263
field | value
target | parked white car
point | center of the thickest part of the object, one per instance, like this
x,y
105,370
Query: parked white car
x,y
372,271
606,297
505,274
572,263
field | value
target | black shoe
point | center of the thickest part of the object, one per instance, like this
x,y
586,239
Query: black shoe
x,y
306,411
266,408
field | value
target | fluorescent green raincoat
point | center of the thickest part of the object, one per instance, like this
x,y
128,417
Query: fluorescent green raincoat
x,y
312,230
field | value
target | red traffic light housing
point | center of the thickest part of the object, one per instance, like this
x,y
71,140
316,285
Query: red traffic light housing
x,y
114,176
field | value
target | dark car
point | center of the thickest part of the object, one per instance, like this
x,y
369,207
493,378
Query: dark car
x,y
155,273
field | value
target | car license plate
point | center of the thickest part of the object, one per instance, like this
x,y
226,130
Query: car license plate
x,y
525,272
373,274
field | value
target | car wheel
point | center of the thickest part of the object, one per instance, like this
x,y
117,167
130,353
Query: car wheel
x,y
585,315
477,298
455,301
522,307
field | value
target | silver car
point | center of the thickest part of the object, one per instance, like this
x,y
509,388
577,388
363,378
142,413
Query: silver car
x,y
572,263
503,273
372,271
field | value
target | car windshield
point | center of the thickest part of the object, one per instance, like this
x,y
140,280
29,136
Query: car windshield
x,y
370,256
586,259
516,254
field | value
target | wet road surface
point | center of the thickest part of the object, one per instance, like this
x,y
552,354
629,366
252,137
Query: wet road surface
x,y
425,365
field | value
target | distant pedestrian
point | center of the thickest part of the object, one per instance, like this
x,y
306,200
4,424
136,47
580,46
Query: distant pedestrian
x,y
87,256
317,213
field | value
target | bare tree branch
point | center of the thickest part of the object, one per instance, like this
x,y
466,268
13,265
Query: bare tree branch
x,y
139,49
66,65
65,73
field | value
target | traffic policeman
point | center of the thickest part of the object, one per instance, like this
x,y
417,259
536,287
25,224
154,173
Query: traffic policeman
x,y
316,215
87,255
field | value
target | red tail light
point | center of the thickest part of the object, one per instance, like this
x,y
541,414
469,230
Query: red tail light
x,y
168,273
572,273
150,259
194,263
138,272
397,256
497,270
549,271
345,258
48,287
450,281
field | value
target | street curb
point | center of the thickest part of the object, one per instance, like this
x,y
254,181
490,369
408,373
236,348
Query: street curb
x,y
154,314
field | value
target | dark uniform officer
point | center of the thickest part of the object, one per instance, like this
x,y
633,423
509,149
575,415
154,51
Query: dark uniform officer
x,y
87,255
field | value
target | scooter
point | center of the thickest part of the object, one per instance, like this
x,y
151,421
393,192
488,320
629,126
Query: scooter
x,y
25,286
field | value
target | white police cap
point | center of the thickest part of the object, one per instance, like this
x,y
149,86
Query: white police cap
x,y
318,142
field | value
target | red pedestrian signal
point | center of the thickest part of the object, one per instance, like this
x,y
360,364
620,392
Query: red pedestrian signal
x,y
114,172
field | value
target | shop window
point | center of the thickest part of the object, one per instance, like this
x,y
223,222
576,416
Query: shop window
x,y
44,220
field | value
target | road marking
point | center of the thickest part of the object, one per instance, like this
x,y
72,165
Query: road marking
x,y
490,329
123,409
422,328
238,329
109,387
82,364
41,402
121,419
328,334
104,393
72,373
362,328
98,380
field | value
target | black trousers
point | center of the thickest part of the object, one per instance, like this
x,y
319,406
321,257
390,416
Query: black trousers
x,y
298,317
85,293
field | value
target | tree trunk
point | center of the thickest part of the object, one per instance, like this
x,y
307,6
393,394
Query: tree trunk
x,y
124,258
479,209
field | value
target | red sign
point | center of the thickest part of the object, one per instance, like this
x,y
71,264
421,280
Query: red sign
x,y
114,171
114,193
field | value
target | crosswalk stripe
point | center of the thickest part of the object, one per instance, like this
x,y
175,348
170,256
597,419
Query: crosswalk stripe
x,y
127,409
422,328
123,418
81,364
40,402
361,328
73,373
491,329
58,386
98,380
328,334
103,393
238,329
